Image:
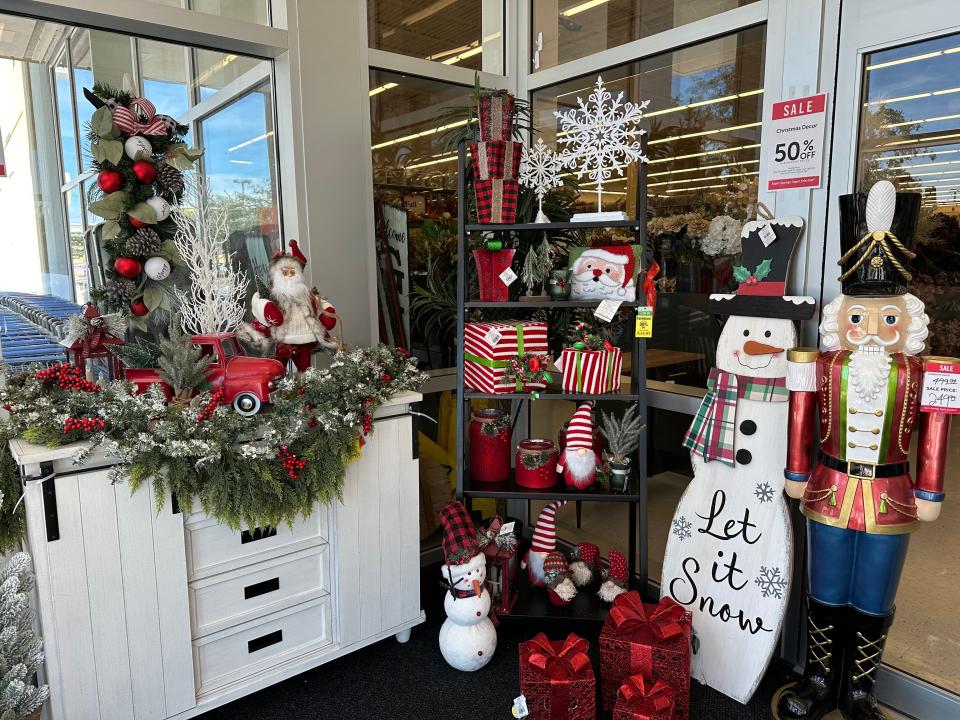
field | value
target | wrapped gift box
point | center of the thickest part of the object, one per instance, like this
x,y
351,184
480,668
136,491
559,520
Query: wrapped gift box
x,y
497,201
557,679
486,363
496,159
496,116
652,640
591,371
641,699
614,369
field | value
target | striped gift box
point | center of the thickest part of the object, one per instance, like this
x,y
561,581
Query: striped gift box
x,y
486,364
614,369
584,371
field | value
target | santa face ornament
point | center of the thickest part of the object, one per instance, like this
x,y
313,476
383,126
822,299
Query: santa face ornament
x,y
602,273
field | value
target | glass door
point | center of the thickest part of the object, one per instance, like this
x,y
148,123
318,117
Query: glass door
x,y
898,102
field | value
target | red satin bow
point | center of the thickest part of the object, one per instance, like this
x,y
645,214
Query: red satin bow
x,y
648,286
640,694
629,615
128,121
556,660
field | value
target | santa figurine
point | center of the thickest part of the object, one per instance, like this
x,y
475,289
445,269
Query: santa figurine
x,y
294,318
578,461
544,543
605,273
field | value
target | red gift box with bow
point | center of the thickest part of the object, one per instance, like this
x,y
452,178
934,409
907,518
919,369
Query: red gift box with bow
x,y
557,679
642,699
652,640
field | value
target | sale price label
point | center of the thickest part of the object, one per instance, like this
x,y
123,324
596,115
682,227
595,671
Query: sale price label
x,y
941,386
796,129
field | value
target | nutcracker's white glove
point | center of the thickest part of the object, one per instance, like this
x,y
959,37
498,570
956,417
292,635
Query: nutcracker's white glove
x,y
928,510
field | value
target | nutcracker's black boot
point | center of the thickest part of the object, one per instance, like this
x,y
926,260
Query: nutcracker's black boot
x,y
868,633
817,692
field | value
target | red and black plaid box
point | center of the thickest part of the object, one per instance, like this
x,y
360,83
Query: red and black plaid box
x,y
495,159
641,699
495,167
651,640
496,116
557,679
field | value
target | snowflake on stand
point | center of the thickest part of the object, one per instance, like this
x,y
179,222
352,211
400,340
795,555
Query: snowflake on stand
x,y
682,528
601,136
540,171
771,583
764,492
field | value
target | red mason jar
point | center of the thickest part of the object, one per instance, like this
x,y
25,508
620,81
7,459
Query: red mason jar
x,y
536,464
489,446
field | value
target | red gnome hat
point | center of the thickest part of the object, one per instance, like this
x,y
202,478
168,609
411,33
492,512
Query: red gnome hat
x,y
545,531
459,535
580,429
618,567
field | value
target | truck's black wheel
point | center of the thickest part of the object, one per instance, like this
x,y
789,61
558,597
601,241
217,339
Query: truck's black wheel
x,y
246,404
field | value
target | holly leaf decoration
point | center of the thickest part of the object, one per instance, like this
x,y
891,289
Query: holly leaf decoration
x,y
740,273
763,269
153,297
110,229
144,213
103,125
110,206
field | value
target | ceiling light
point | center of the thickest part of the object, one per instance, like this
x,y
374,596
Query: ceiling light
x,y
424,133
699,187
706,177
583,7
463,56
703,154
251,141
914,58
705,132
382,88
427,12
703,167
431,162
925,120
883,101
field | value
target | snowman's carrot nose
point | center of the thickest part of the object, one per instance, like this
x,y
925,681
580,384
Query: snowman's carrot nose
x,y
752,347
477,587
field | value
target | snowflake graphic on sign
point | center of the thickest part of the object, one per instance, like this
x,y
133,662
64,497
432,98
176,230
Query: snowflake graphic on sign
x,y
601,136
540,171
682,528
770,582
764,492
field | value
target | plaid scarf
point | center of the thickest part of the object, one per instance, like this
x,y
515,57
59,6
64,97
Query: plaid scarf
x,y
713,429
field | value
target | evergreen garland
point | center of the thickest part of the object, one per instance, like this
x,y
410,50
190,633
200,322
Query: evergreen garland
x,y
234,466
21,651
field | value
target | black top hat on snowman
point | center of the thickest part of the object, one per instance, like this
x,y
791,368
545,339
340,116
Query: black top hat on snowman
x,y
876,240
767,250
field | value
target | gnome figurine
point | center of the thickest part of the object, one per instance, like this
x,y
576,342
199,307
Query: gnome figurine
x,y
544,542
578,462
556,572
468,638
614,578
584,565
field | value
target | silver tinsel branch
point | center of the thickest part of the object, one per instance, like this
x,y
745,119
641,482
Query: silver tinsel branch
x,y
215,301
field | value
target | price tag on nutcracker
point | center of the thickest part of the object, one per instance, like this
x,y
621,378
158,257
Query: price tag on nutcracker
x,y
508,276
941,385
493,336
607,309
520,707
644,327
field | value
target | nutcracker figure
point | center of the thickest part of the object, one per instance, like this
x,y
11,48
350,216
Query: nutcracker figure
x,y
862,393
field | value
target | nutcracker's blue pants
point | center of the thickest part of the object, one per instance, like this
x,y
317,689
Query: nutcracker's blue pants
x,y
855,568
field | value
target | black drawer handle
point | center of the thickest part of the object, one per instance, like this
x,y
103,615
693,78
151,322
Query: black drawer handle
x,y
261,588
255,534
265,641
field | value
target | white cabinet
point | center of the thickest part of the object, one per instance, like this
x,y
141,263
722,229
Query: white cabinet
x,y
150,615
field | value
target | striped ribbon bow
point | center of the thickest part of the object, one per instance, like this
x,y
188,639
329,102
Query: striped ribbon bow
x,y
128,118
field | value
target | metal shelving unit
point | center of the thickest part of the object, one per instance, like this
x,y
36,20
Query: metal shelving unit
x,y
532,604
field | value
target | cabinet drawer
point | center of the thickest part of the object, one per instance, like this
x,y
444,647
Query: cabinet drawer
x,y
238,653
214,548
228,599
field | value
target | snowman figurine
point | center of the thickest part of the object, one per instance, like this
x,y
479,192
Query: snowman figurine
x,y
468,638
729,553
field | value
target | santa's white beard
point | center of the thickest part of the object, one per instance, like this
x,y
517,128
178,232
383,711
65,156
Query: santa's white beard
x,y
869,372
290,290
580,469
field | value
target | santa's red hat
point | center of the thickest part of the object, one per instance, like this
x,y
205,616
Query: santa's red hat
x,y
459,539
545,532
616,255
294,254
580,429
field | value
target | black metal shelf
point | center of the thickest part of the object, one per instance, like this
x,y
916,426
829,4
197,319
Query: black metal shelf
x,y
548,395
535,304
586,225
534,604
509,490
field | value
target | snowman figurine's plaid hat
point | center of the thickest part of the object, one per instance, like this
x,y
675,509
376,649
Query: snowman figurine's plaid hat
x,y
459,535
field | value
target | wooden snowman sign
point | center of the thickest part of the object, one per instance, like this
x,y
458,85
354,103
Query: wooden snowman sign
x,y
729,554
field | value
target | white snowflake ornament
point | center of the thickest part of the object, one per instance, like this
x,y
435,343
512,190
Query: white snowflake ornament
x,y
540,171
600,138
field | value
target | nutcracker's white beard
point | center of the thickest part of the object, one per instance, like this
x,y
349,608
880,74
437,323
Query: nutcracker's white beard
x,y
580,468
869,372
289,290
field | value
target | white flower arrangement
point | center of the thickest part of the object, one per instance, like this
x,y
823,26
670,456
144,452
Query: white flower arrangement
x,y
722,237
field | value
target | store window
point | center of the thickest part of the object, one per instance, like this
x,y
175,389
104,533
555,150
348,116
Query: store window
x,y
464,33
564,30
164,70
255,11
910,135
415,192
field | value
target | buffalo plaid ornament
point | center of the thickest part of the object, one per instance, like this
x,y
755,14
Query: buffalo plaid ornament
x,y
496,165
459,534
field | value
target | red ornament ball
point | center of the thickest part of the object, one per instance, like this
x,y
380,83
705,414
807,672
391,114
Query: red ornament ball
x,y
110,181
145,172
136,223
139,308
534,364
128,268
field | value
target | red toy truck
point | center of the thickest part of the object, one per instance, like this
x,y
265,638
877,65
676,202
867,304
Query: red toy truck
x,y
246,381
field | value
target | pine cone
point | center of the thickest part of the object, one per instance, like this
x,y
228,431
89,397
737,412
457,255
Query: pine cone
x,y
119,292
170,178
143,243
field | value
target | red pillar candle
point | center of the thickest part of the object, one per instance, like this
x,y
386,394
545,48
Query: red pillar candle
x,y
489,446
536,464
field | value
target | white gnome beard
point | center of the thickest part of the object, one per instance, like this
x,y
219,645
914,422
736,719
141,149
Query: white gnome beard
x,y
565,590
580,573
580,467
535,565
609,590
869,372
